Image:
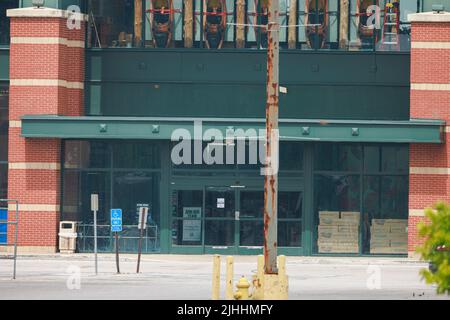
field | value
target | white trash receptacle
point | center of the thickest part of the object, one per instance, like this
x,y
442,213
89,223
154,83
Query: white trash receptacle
x,y
67,236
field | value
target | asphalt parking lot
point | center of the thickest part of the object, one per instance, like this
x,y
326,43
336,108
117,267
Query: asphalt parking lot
x,y
182,277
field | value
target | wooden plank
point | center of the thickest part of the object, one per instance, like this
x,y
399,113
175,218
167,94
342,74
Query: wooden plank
x,y
240,19
188,23
292,32
343,22
137,23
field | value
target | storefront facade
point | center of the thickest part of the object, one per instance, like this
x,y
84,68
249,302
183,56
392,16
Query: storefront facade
x,y
221,209
356,139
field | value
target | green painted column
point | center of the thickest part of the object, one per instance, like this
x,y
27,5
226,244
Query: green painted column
x,y
164,196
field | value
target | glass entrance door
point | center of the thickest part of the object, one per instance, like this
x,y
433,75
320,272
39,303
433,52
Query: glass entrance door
x,y
220,219
251,221
230,220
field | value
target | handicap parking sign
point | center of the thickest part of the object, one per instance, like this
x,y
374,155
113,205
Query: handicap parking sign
x,y
116,220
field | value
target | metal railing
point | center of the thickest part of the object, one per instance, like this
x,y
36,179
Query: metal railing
x,y
11,222
128,238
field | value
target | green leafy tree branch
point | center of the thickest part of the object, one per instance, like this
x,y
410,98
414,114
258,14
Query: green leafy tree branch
x,y
436,247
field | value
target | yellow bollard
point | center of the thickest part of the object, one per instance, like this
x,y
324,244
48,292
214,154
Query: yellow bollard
x,y
282,266
270,286
216,278
258,279
229,280
242,289
283,278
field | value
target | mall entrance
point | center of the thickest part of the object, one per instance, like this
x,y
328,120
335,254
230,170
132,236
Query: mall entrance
x,y
227,218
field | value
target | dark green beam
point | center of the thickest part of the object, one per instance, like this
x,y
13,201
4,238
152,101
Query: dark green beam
x,y
4,64
413,131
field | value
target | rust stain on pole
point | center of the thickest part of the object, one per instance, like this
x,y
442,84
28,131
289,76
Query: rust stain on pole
x,y
271,177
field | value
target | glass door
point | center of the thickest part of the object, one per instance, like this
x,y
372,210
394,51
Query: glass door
x,y
220,220
251,221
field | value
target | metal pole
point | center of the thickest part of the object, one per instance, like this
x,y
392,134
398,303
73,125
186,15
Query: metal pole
x,y
141,234
117,252
95,241
271,175
16,235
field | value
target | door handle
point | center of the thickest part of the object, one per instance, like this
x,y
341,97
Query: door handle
x,y
236,215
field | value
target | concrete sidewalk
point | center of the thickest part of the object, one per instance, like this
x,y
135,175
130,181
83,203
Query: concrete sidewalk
x,y
189,277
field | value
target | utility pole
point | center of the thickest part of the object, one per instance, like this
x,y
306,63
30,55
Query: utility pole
x,y
272,146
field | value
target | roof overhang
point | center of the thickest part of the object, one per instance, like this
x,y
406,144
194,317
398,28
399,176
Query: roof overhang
x,y
96,127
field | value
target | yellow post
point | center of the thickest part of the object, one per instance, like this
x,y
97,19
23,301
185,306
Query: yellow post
x,y
271,286
258,279
229,283
216,278
282,275
282,266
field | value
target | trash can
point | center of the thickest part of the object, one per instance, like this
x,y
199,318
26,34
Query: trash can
x,y
67,236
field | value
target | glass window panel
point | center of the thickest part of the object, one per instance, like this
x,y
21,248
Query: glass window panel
x,y
253,157
4,123
372,158
252,204
337,213
289,234
135,189
336,193
86,154
251,233
187,232
291,156
337,157
142,155
3,181
3,134
113,23
71,196
385,214
322,20
219,203
5,21
290,204
212,156
182,199
219,232
395,159
95,183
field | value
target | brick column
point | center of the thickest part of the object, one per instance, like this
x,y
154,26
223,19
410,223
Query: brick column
x,y
430,98
46,77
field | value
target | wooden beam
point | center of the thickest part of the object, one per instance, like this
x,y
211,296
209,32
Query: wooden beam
x,y
188,23
240,19
343,22
292,32
138,23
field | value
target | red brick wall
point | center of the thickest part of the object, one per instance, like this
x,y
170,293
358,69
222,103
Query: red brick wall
x,y
38,189
428,66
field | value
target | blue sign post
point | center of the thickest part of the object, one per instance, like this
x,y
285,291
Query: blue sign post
x,y
3,226
116,220
116,227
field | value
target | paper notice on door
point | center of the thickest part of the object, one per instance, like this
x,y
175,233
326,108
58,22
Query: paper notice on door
x,y
220,203
192,225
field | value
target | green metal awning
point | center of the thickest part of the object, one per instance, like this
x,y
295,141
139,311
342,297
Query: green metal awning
x,y
97,127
